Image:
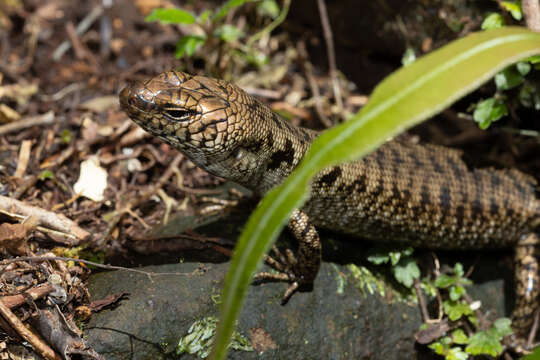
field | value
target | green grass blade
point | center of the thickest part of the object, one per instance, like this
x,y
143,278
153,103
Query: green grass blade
x,y
403,99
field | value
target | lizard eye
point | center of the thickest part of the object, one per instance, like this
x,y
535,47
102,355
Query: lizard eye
x,y
177,114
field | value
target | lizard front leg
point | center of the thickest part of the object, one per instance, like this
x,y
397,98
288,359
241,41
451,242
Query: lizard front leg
x,y
299,270
527,289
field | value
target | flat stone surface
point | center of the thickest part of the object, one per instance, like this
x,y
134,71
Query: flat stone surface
x,y
337,320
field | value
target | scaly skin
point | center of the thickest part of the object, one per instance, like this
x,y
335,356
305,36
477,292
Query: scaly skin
x,y
424,196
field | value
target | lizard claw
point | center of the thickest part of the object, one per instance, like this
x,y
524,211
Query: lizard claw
x,y
285,267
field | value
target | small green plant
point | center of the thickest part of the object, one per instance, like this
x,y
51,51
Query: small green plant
x,y
201,335
213,33
466,339
404,267
494,108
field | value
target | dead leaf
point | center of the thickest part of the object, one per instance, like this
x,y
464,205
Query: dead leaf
x,y
146,6
97,305
261,340
13,237
92,180
100,104
20,92
7,114
432,333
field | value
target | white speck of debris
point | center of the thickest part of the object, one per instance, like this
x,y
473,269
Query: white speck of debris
x,y
475,305
55,279
134,165
92,180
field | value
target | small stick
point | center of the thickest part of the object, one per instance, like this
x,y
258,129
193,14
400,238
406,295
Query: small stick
x,y
531,11
46,218
82,27
313,85
45,119
88,262
327,31
274,24
17,325
13,301
421,301
24,157
534,329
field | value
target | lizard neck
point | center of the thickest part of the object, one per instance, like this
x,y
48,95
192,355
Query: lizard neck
x,y
270,155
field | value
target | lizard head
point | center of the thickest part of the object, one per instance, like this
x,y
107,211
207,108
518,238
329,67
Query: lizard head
x,y
214,123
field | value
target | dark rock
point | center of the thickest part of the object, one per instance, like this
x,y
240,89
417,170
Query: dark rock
x,y
337,320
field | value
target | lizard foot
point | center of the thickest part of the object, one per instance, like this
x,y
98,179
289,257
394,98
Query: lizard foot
x,y
287,271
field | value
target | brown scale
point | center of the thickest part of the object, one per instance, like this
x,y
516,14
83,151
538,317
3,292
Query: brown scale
x,y
423,195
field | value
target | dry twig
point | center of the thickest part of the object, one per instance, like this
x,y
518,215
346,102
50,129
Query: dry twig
x,y
17,325
24,157
88,262
531,11
47,219
45,119
328,37
308,68
13,301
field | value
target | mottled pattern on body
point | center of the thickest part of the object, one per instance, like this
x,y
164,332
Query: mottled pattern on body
x,y
422,194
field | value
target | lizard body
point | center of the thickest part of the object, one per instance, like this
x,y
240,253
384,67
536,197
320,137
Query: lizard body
x,y
423,195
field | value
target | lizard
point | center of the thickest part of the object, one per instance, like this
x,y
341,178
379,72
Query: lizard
x,y
422,195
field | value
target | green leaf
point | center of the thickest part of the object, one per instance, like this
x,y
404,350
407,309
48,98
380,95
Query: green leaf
x,y
438,348
268,8
523,67
502,327
205,15
65,136
228,6
458,269
529,96
493,21
484,343
187,45
443,281
456,292
513,7
508,78
378,258
534,356
459,337
46,174
456,309
402,100
456,353
228,33
171,16
256,58
382,254
488,111
442,347
406,271
408,57
535,59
